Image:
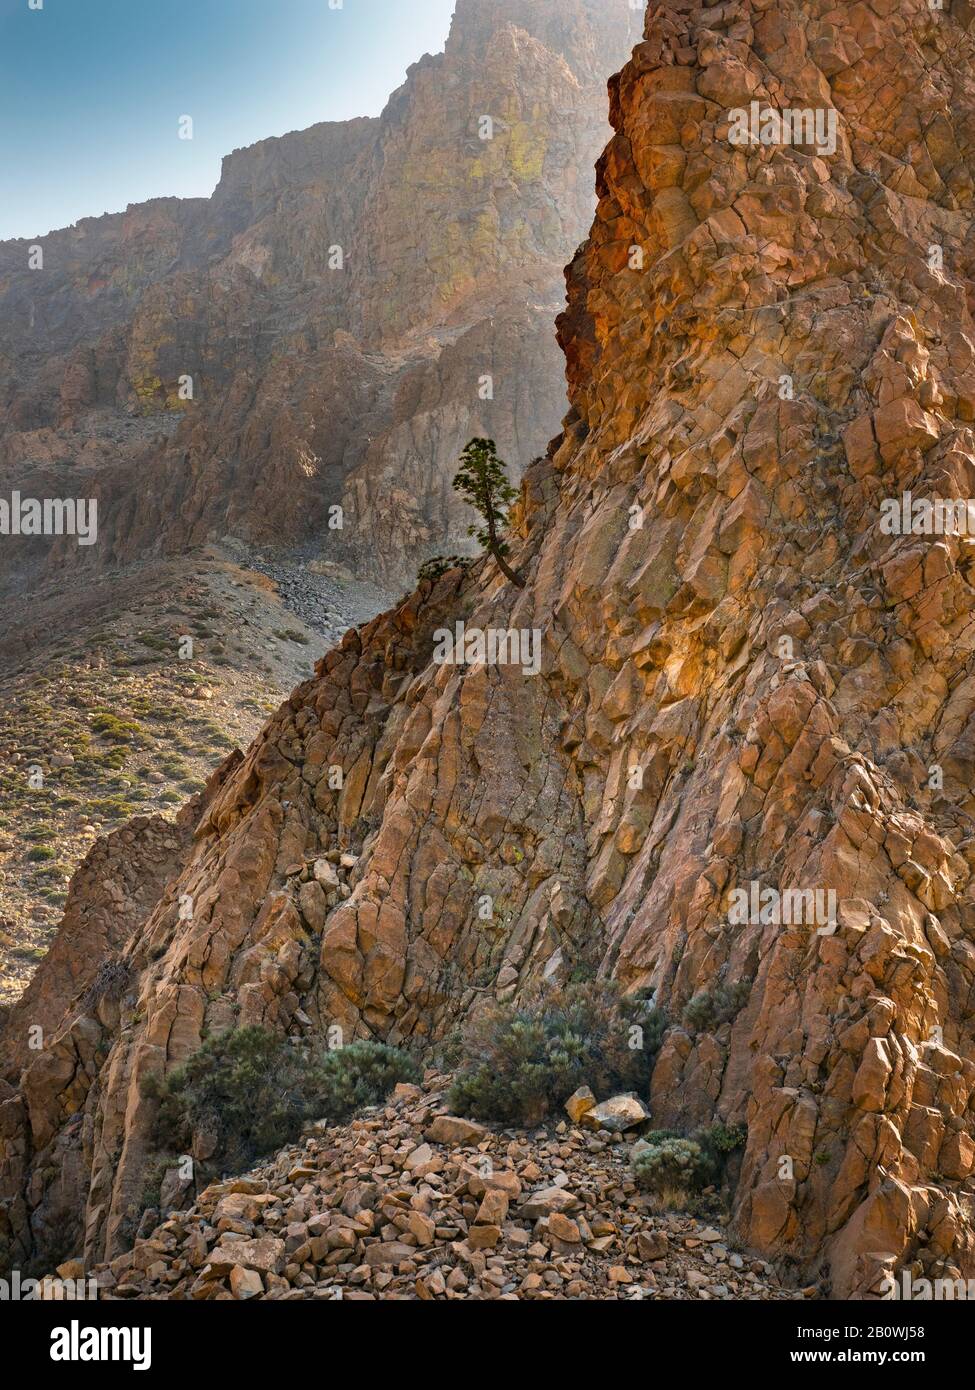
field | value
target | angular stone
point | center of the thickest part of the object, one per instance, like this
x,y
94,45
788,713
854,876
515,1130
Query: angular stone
x,y
579,1103
493,1210
618,1114
548,1201
387,1253
245,1283
957,1157
263,1253
418,1158
483,1237
563,1228
448,1129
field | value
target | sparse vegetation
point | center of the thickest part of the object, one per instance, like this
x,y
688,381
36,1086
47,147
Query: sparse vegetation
x,y
250,1092
712,1007
363,1073
111,981
518,1063
670,1169
439,565
115,730
674,1167
111,727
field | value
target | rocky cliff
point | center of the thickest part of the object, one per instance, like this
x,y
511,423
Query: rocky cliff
x,y
742,775
330,328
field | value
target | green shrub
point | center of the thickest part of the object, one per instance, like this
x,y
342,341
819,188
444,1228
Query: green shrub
x,y
712,1007
726,1138
173,766
439,565
520,1062
671,1169
112,807
240,1088
111,727
251,1092
363,1073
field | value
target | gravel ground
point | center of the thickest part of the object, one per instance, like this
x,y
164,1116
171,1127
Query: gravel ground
x,y
329,605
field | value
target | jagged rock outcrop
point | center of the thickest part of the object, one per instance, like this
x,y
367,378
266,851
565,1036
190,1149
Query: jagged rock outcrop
x,y
109,897
338,306
758,685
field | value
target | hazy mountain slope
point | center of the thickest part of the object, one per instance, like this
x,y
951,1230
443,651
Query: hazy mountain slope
x,y
353,304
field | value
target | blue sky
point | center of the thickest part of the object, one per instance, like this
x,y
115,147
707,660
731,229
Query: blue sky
x,y
92,91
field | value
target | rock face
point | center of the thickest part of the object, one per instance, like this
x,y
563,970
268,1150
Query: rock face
x,y
109,897
742,776
353,304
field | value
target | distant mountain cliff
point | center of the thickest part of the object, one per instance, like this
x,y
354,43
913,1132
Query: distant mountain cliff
x,y
741,780
353,304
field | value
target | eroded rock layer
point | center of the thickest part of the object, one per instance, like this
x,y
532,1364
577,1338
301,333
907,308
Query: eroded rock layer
x,y
759,685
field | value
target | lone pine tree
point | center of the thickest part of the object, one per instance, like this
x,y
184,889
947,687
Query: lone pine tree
x,y
482,480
